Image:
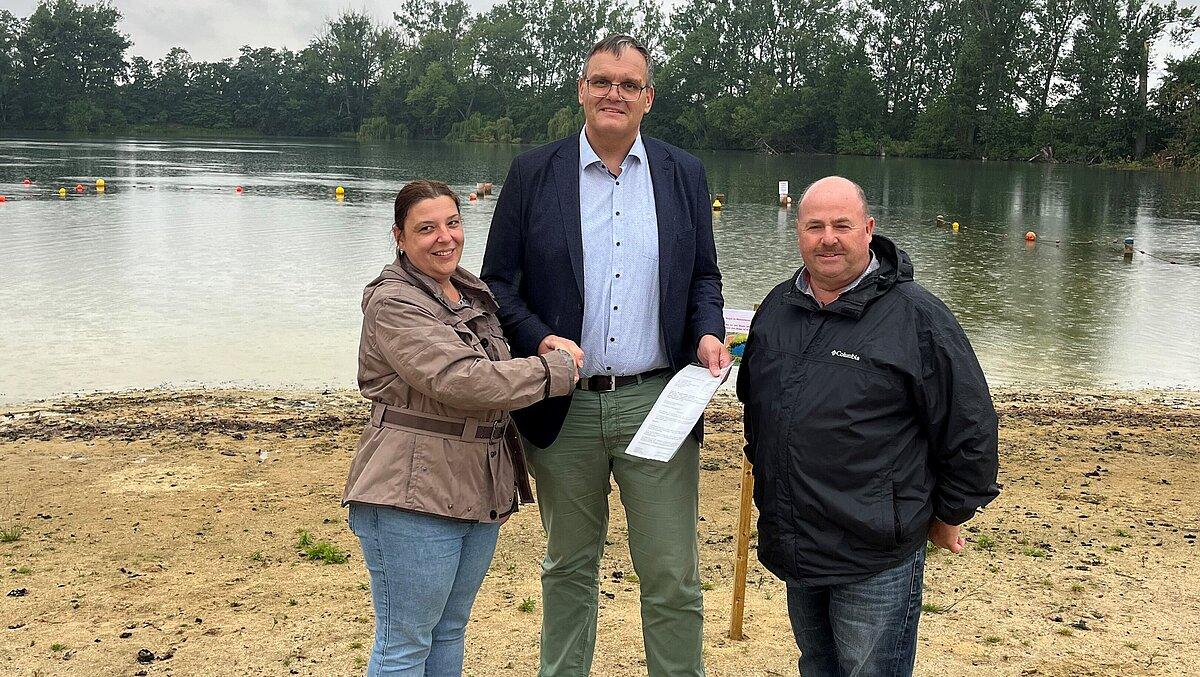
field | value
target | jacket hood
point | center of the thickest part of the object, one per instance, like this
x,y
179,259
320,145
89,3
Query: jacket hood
x,y
895,267
403,271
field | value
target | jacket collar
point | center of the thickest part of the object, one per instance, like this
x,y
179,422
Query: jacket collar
x,y
894,268
403,270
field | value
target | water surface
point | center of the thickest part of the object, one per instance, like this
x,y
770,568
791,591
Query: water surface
x,y
172,278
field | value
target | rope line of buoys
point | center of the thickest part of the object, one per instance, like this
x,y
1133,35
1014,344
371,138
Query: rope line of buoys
x,y
1031,238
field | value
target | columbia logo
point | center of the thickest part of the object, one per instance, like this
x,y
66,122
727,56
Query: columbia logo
x,y
848,356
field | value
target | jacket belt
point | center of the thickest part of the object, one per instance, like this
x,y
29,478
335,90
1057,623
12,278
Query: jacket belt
x,y
466,429
606,384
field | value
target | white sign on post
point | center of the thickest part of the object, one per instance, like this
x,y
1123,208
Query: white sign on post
x,y
783,187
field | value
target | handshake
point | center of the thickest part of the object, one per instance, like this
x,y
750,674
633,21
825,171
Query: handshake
x,y
552,343
711,352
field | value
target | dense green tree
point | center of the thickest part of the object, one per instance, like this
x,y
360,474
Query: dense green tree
x,y
1056,79
353,49
1178,103
69,53
11,29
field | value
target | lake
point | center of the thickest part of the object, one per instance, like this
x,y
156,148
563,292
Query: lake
x,y
171,277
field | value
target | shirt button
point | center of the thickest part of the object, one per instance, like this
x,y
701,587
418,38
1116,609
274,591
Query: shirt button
x,y
618,275
612,340
493,514
618,213
618,183
608,369
614,307
618,244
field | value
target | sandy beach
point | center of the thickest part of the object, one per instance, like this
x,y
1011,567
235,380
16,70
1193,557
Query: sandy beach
x,y
198,532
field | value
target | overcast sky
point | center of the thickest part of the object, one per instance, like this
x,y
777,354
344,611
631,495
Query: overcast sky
x,y
214,29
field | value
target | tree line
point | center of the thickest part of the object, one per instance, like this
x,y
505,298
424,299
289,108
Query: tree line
x,y
1065,80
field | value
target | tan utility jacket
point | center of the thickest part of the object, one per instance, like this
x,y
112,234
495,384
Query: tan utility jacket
x,y
420,356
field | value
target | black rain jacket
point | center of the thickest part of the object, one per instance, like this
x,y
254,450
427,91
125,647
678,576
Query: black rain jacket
x,y
864,420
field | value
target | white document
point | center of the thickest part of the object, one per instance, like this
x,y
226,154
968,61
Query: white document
x,y
675,413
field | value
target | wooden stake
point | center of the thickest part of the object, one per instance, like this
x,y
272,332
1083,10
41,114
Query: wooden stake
x,y
743,550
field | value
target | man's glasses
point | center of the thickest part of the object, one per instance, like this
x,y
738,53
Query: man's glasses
x,y
627,91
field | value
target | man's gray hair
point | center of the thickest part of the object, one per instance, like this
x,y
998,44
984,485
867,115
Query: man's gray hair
x,y
617,44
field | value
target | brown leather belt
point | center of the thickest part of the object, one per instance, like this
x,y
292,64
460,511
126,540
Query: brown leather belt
x,y
607,384
470,429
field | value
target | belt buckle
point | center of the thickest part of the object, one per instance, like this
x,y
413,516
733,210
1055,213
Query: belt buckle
x,y
612,384
498,428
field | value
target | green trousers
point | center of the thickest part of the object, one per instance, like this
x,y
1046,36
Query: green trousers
x,y
661,503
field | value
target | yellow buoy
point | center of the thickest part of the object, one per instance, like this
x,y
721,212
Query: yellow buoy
x,y
62,192
717,205
99,184
954,226
339,191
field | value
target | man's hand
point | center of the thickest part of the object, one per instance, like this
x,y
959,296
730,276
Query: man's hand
x,y
553,342
946,536
712,353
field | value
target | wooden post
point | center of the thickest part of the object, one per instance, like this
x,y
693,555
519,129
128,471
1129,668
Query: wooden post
x,y
742,561
742,550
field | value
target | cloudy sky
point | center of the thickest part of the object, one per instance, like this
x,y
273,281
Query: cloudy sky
x,y
215,29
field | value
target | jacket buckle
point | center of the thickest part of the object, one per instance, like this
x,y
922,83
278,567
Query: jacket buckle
x,y
498,428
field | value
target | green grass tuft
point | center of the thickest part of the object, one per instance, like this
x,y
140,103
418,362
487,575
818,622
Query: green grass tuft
x,y
934,608
527,605
320,551
11,533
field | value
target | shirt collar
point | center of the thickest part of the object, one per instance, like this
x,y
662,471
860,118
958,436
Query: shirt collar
x,y
803,284
588,157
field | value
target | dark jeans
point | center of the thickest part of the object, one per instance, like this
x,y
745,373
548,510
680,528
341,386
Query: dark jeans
x,y
863,629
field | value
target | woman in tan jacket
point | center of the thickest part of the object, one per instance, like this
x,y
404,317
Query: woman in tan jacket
x,y
439,466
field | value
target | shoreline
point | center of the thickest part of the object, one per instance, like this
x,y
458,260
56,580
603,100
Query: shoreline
x,y
168,520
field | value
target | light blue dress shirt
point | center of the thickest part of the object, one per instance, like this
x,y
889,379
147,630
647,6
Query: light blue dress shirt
x,y
622,333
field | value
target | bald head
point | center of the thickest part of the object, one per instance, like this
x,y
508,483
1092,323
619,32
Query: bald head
x,y
835,188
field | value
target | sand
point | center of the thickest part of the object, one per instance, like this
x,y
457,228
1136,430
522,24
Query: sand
x,y
166,523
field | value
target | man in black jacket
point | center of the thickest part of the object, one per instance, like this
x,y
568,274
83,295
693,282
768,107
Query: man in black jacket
x,y
871,429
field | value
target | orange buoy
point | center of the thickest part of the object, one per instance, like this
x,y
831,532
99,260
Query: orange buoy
x,y
27,182
79,188
3,198
472,197
1030,236
239,189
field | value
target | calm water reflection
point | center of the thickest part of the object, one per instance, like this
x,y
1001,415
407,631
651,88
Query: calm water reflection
x,y
171,277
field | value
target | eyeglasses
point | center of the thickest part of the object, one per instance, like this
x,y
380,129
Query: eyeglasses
x,y
627,91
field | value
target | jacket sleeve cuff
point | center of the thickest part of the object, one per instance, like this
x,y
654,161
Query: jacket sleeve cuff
x,y
953,517
561,367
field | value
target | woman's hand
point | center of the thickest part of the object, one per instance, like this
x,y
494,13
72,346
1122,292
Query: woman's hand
x,y
553,342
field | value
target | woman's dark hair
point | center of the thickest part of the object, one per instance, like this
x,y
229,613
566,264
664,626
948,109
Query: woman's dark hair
x,y
414,192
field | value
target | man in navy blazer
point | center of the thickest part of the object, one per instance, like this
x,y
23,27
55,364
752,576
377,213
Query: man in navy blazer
x,y
602,243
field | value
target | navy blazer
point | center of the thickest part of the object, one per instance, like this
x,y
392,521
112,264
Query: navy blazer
x,y
534,260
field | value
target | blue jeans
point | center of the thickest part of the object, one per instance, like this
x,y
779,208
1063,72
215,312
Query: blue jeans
x,y
425,571
863,629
